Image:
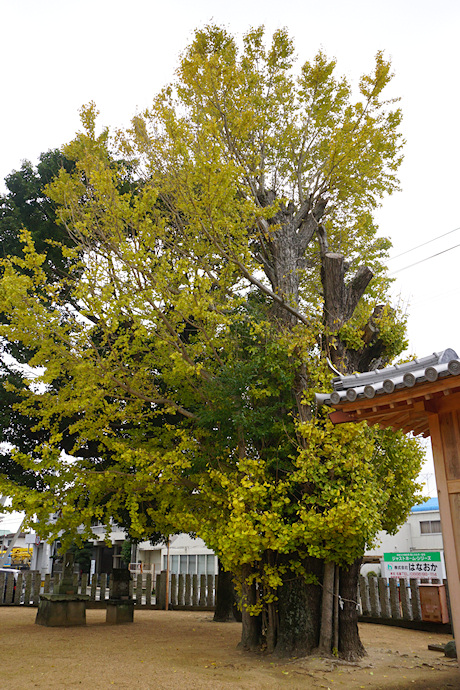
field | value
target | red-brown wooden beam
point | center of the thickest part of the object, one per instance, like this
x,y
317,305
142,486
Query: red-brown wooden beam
x,y
445,441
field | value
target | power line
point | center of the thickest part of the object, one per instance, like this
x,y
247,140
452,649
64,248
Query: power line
x,y
423,244
432,256
413,305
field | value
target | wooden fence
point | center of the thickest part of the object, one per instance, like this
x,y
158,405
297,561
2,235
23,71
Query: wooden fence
x,y
391,599
185,591
378,598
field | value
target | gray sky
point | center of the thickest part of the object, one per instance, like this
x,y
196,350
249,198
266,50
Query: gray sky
x,y
56,55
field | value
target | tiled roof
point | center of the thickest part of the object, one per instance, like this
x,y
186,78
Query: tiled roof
x,y
382,381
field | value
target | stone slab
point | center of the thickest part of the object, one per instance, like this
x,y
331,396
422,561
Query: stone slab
x,y
64,597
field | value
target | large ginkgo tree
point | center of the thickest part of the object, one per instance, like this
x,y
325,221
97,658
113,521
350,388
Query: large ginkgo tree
x,y
223,246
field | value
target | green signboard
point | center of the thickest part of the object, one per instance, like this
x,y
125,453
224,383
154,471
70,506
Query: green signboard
x,y
414,556
417,564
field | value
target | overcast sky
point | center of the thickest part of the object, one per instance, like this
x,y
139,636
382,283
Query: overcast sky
x,y
59,54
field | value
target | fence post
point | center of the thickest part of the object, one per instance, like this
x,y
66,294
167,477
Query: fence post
x,y
84,583
180,594
157,589
47,584
383,596
405,600
148,589
415,600
102,586
93,586
161,594
2,586
444,582
364,595
56,581
394,599
202,590
195,591
374,597
173,589
28,588
37,583
139,590
18,590
9,590
188,590
210,587
75,581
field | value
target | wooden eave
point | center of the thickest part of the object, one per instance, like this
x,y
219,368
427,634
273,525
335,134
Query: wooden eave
x,y
407,409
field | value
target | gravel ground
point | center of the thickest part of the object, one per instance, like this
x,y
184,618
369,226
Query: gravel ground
x,y
186,650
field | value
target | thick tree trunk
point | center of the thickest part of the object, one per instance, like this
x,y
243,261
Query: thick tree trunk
x,y
271,634
295,630
299,606
325,639
251,635
226,605
350,646
336,624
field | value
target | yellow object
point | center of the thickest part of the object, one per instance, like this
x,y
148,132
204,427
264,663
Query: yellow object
x,y
20,556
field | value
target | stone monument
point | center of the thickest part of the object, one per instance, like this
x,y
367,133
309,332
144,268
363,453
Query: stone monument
x,y
65,607
120,606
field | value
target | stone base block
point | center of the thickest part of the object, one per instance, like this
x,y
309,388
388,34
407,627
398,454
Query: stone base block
x,y
450,650
61,610
119,612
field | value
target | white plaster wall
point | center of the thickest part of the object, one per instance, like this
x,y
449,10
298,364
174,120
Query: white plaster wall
x,y
401,541
184,543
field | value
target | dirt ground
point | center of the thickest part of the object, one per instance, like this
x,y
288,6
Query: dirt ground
x,y
186,650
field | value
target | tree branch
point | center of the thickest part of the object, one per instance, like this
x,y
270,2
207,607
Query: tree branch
x,y
356,289
341,300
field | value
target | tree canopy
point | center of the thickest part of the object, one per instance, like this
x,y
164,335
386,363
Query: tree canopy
x,y
25,204
205,284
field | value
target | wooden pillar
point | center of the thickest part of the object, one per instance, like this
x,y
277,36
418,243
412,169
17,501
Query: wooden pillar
x,y
188,590
173,596
148,589
374,597
394,599
180,594
405,600
445,440
415,599
202,601
195,590
384,593
364,596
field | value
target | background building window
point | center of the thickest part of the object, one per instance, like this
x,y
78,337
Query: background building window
x,y
430,527
203,564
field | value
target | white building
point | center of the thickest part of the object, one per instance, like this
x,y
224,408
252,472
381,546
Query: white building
x,y
186,555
